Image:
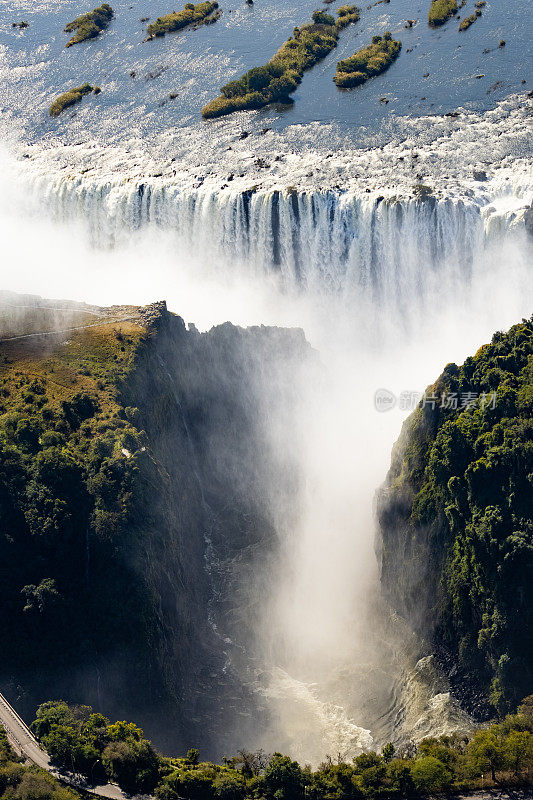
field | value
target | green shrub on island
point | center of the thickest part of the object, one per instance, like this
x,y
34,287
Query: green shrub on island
x,y
441,11
468,21
202,13
277,79
70,98
77,738
347,15
322,18
368,62
87,26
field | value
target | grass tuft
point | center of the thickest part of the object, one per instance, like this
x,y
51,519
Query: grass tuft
x,y
368,62
87,26
276,80
441,11
69,99
468,21
200,14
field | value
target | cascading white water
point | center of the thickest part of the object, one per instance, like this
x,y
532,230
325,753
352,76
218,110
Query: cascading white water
x,y
391,251
389,288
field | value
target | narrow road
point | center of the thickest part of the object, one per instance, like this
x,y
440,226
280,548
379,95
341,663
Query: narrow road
x,y
21,738
99,324
25,744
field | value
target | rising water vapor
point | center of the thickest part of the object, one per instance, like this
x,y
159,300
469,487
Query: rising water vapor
x,y
387,292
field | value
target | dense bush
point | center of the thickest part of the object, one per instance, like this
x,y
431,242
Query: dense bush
x,y
440,11
347,15
80,740
322,18
368,62
87,744
456,518
206,12
69,506
468,21
281,75
69,98
87,26
19,782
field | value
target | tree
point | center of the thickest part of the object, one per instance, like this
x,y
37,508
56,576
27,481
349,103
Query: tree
x,y
283,778
321,18
229,786
62,745
388,752
250,763
41,597
485,752
518,749
134,764
193,756
49,715
35,787
430,775
399,777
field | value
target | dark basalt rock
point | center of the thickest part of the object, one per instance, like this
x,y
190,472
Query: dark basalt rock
x,y
198,534
528,220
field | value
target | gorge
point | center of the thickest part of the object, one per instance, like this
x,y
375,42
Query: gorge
x,y
211,333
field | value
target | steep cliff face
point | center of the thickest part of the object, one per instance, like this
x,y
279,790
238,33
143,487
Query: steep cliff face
x,y
137,469
456,521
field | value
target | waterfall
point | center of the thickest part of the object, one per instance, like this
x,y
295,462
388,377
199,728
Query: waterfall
x,y
390,251
328,674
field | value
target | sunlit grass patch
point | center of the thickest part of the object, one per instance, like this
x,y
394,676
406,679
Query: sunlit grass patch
x,y
202,13
87,26
441,11
69,98
368,62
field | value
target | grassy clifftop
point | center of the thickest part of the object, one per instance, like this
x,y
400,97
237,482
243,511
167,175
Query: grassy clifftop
x,y
456,518
69,462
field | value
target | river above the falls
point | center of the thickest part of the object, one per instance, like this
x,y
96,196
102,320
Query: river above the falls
x,y
438,69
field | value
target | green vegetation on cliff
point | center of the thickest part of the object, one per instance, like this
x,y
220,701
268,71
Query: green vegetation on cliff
x,y
202,13
87,744
90,25
21,782
70,98
456,518
281,75
67,496
115,460
440,11
80,740
367,62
